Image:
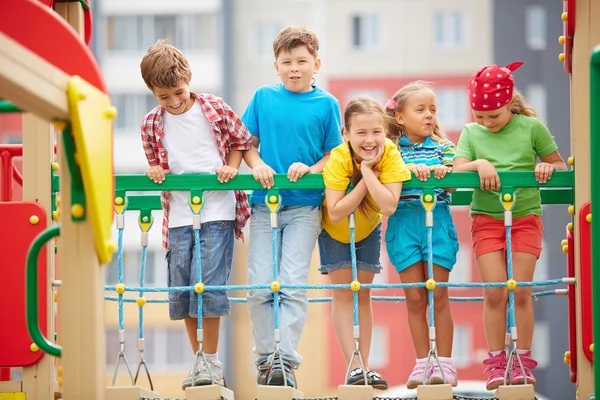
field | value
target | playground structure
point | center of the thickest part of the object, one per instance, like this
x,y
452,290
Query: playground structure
x,y
55,80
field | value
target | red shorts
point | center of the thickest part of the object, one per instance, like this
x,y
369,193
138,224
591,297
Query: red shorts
x,y
489,234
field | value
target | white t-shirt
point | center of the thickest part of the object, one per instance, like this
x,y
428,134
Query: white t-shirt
x,y
191,149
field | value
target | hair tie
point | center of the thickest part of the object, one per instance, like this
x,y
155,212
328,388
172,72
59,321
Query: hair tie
x,y
390,104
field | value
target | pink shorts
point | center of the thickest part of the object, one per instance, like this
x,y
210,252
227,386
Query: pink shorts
x,y
489,234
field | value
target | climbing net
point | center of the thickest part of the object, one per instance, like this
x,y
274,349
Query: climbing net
x,y
273,201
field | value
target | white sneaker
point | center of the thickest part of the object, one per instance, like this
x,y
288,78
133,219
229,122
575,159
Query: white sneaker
x,y
202,377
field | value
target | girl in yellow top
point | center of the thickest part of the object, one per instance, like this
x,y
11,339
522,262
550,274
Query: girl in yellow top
x,y
373,164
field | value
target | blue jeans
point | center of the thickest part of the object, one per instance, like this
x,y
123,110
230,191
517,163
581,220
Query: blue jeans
x,y
296,238
216,252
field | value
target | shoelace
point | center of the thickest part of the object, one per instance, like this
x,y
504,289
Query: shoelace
x,y
527,362
493,363
373,375
356,371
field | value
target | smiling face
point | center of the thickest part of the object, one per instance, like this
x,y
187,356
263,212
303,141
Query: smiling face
x,y
296,69
496,119
418,116
366,134
175,100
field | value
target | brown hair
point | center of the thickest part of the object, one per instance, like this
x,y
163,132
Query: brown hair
x,y
295,36
362,105
396,129
520,105
164,66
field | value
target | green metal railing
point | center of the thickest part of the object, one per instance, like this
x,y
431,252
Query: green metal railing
x,y
558,190
595,194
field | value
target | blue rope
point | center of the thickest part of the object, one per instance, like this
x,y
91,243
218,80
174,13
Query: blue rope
x,y
511,293
275,278
354,274
120,276
142,275
396,299
341,286
430,274
198,273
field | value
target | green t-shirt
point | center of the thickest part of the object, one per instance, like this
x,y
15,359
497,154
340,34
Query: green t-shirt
x,y
514,148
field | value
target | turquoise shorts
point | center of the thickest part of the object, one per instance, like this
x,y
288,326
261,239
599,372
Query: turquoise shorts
x,y
406,237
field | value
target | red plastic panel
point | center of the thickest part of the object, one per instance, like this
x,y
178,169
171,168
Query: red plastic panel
x,y
572,307
568,33
585,280
16,235
42,31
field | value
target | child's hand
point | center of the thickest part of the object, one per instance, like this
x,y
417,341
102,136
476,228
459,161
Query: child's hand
x,y
226,173
543,172
373,161
440,171
488,175
264,174
297,170
421,171
156,173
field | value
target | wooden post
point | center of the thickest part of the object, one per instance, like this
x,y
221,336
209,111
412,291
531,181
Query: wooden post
x,y
38,154
434,392
587,35
81,297
278,393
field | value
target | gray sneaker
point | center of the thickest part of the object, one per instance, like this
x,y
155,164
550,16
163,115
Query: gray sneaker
x,y
202,377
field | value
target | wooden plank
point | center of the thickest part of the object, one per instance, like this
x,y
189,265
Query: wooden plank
x,y
31,83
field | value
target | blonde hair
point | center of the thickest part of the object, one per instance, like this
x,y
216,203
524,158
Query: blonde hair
x,y
295,36
520,105
362,105
396,129
165,66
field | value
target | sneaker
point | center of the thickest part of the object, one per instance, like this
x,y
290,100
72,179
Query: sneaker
x,y
202,377
357,377
450,374
376,381
418,375
263,367
275,374
518,378
495,368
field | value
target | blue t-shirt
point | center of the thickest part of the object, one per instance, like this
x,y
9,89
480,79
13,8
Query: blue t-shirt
x,y
293,127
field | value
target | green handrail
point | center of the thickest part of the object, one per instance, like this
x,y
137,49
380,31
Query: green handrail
x,y
595,194
32,292
8,107
459,180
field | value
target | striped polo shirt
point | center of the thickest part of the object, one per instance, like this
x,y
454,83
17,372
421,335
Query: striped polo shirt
x,y
429,153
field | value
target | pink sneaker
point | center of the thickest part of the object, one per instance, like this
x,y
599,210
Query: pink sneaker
x,y
418,374
495,368
517,373
450,374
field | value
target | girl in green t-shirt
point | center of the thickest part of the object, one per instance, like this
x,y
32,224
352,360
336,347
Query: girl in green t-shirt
x,y
506,136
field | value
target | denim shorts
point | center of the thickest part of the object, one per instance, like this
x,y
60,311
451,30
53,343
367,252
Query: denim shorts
x,y
216,254
406,237
336,255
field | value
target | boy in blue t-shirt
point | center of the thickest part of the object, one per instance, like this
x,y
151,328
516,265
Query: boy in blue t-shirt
x,y
296,124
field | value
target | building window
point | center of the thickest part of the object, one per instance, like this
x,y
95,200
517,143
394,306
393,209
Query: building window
x,y
450,30
537,97
131,109
265,34
461,348
380,347
535,27
136,33
132,269
452,108
377,94
366,32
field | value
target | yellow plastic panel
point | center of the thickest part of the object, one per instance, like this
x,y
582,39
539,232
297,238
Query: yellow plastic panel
x,y
91,119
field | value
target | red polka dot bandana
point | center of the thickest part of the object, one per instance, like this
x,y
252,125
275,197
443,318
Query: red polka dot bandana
x,y
492,87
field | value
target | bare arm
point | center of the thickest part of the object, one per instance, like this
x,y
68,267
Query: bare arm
x,y
320,165
340,204
550,163
235,158
462,164
385,195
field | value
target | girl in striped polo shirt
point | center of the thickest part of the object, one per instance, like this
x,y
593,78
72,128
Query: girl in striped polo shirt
x,y
425,150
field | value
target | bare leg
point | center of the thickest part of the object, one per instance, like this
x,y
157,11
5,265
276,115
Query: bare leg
x,y
492,268
523,268
211,327
444,326
416,304
343,315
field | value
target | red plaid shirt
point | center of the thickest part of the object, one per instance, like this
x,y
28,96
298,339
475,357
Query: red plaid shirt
x,y
230,134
